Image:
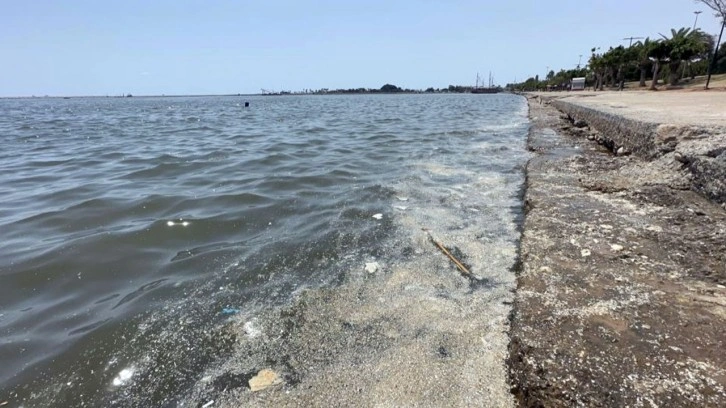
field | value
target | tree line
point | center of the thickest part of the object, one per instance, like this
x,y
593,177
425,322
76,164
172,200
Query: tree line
x,y
669,58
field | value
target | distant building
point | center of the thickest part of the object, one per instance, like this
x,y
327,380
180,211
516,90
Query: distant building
x,y
577,84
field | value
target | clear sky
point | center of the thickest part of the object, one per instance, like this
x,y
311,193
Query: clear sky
x,y
98,47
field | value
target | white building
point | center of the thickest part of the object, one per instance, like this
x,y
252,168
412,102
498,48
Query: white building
x,y
577,84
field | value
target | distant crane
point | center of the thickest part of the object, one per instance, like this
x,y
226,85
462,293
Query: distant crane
x,y
631,39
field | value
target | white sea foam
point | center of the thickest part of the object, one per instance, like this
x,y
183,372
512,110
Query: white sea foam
x,y
123,377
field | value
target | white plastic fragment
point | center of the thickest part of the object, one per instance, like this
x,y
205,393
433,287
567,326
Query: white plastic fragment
x,y
123,377
378,216
371,267
251,329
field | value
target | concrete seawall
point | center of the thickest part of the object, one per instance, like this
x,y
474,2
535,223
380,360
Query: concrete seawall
x,y
621,297
698,143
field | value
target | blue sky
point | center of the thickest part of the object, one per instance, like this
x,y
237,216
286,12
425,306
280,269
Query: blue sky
x,y
76,47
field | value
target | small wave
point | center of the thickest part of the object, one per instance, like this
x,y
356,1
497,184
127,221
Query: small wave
x,y
88,327
139,292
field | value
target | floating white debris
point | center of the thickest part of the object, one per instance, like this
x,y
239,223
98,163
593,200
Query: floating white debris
x,y
123,377
170,223
371,267
402,198
181,222
251,330
400,207
378,216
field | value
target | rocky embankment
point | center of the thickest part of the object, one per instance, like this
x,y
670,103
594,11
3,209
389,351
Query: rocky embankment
x,y
701,148
621,298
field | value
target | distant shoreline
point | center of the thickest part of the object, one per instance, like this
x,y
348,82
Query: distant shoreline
x,y
234,95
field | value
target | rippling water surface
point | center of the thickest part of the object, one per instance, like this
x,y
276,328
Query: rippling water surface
x,y
127,222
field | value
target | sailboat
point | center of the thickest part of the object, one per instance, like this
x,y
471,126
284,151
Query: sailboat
x,y
485,90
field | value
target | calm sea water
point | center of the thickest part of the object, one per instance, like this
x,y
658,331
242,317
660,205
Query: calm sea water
x,y
134,226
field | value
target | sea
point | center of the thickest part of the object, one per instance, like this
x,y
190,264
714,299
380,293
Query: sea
x,y
132,228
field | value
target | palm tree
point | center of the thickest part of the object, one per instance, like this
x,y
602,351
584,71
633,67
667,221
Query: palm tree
x,y
658,52
614,59
640,50
683,45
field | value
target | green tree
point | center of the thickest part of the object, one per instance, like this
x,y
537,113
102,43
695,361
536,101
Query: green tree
x,y
390,88
657,52
641,49
683,45
598,65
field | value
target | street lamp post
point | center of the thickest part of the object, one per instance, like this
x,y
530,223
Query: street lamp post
x,y
694,23
715,54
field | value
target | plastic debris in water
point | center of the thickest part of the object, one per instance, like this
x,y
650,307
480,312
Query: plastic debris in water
x,y
251,329
180,222
378,216
123,377
265,378
229,311
402,198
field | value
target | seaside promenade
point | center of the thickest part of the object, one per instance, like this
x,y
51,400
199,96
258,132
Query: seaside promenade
x,y
621,299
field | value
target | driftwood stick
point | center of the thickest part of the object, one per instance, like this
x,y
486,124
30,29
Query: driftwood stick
x,y
443,249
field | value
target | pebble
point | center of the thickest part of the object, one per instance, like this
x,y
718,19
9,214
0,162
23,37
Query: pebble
x,y
585,253
264,379
616,247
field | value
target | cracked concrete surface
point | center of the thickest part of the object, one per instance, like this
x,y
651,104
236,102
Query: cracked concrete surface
x,y
621,300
